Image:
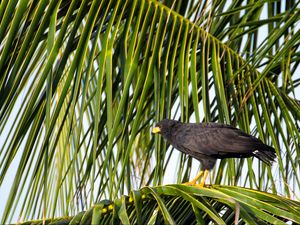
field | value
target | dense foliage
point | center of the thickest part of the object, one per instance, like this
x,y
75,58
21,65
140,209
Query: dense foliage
x,y
82,82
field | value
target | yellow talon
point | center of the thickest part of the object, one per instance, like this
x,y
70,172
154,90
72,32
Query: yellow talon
x,y
190,183
202,183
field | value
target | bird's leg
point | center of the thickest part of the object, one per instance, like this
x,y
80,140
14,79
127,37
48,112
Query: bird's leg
x,y
193,182
202,183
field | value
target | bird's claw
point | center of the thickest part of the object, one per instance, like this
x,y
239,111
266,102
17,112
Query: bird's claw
x,y
194,181
201,185
190,183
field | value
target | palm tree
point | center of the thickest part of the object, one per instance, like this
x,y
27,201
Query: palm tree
x,y
82,82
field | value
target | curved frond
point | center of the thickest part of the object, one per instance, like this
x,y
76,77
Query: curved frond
x,y
82,82
178,204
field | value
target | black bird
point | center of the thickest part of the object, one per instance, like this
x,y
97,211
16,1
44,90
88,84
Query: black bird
x,y
208,142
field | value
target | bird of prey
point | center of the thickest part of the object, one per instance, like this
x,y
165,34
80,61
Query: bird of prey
x,y
208,142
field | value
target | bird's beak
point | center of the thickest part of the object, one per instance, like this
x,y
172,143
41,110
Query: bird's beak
x,y
155,130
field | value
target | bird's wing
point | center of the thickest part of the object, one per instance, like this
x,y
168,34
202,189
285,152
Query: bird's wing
x,y
214,139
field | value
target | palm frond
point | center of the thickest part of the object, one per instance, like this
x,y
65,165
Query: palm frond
x,y
82,82
179,204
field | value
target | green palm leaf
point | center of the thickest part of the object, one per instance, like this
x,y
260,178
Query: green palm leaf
x,y
81,84
178,204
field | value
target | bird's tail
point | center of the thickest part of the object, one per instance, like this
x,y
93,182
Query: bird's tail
x,y
265,153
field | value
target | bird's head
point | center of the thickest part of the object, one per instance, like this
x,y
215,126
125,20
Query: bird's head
x,y
164,127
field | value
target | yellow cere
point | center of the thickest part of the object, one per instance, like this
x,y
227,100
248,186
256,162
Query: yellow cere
x,y
156,130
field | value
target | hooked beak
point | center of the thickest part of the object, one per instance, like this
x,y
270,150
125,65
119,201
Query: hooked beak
x,y
155,130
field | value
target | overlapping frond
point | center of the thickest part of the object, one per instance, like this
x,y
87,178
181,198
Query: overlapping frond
x,y
82,82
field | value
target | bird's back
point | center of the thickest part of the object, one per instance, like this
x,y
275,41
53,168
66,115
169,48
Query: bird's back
x,y
217,140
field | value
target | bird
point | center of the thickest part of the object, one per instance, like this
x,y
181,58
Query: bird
x,y
210,141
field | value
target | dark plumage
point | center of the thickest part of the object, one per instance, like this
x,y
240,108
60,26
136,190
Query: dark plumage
x,y
208,142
